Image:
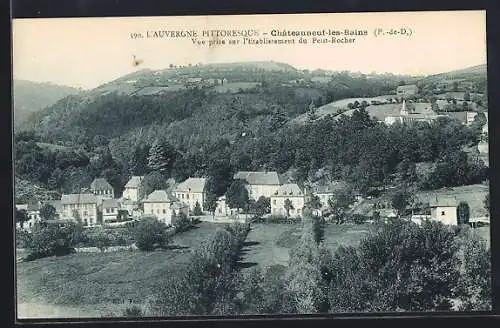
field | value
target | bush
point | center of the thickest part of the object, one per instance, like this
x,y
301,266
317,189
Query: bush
x,y
101,239
474,290
181,222
281,219
132,311
398,267
359,218
50,239
150,233
197,209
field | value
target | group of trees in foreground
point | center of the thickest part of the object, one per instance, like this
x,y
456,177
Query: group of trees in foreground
x,y
399,266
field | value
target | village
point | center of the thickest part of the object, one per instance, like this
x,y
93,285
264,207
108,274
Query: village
x,y
98,205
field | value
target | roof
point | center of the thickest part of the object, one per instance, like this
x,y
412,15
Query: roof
x,y
159,196
110,203
100,184
192,185
289,189
258,178
407,87
79,199
134,182
443,202
461,116
22,207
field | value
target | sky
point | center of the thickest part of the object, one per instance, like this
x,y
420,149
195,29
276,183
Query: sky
x,y
87,52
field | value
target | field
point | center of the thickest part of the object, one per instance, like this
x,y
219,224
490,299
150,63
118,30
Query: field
x,y
268,244
235,87
473,194
379,112
99,282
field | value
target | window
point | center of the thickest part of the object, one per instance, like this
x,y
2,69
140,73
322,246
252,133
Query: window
x,y
187,196
152,211
220,210
158,211
107,210
442,212
182,196
164,211
274,201
85,213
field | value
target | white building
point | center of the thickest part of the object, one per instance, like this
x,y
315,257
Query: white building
x,y
80,207
259,183
161,205
470,117
405,117
133,188
191,191
222,208
110,209
293,194
444,210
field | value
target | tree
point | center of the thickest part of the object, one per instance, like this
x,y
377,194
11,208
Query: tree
x,y
400,266
210,203
237,195
315,202
161,157
139,161
463,213
180,222
197,209
340,204
486,203
288,206
21,216
47,212
101,239
151,182
400,200
303,277
150,233
474,289
50,239
263,206
467,96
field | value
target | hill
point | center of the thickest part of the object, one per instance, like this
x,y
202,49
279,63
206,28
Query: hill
x,y
30,97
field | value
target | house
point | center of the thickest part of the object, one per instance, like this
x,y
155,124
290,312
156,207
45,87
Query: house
x,y
128,205
407,90
110,208
33,217
444,210
326,192
81,207
33,210
191,191
133,188
222,208
160,204
470,117
291,192
259,183
101,187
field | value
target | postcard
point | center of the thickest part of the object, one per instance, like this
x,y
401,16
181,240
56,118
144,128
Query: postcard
x,y
192,166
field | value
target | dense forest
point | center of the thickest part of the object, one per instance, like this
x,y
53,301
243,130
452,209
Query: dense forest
x,y
197,132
